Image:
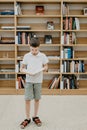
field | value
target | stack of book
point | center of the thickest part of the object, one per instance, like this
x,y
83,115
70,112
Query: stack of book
x,y
7,12
23,27
7,27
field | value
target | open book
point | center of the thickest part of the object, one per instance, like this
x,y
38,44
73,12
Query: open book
x,y
32,73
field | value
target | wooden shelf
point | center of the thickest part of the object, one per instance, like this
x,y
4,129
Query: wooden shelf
x,y
39,16
7,59
38,23
73,92
77,16
7,72
6,30
40,1
75,1
74,30
74,45
8,91
34,30
75,73
7,16
75,59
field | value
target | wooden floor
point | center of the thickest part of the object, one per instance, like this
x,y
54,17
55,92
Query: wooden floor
x,y
56,112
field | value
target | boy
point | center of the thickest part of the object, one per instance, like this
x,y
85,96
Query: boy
x,y
34,60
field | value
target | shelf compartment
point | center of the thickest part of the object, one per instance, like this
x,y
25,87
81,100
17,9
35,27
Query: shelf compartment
x,y
73,92
7,84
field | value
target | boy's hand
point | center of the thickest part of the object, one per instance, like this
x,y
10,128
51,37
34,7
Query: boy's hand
x,y
45,68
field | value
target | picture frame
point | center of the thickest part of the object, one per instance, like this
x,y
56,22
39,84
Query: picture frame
x,y
85,11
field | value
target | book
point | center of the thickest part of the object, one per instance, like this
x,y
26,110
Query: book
x,y
39,9
77,24
18,9
20,82
65,8
23,27
30,72
8,27
7,12
54,83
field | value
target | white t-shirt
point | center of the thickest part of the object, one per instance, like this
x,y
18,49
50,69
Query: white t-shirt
x,y
35,62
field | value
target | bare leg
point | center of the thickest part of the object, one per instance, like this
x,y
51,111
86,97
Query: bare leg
x,y
27,108
35,118
36,107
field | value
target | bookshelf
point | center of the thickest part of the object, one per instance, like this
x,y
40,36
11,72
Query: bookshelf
x,y
13,44
74,41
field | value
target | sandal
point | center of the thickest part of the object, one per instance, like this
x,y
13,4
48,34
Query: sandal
x,y
37,121
25,123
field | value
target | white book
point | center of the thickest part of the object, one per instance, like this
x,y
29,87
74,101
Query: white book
x,y
66,53
67,39
68,86
7,27
61,70
31,72
72,67
17,68
62,39
61,84
64,66
16,39
16,10
61,54
77,24
16,84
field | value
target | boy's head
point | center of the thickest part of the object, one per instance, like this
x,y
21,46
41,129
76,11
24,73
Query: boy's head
x,y
34,46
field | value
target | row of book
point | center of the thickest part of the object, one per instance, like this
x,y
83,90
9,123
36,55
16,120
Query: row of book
x,y
67,53
71,23
18,65
68,38
7,12
65,9
54,83
25,37
20,83
69,82
73,66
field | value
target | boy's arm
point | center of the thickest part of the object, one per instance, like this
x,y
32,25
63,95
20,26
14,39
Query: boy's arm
x,y
24,70
45,67
22,67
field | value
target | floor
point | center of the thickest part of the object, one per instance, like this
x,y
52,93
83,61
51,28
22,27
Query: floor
x,y
56,112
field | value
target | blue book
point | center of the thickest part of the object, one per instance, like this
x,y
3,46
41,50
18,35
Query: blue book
x,y
19,37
